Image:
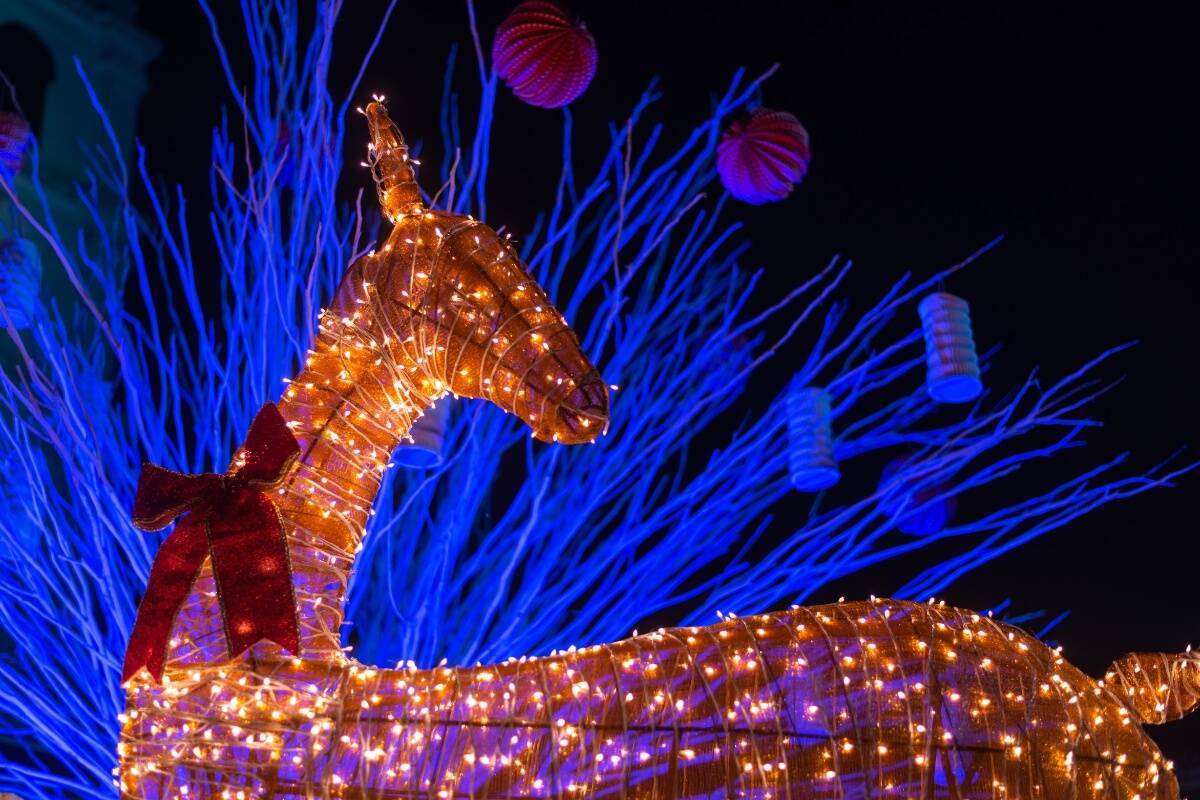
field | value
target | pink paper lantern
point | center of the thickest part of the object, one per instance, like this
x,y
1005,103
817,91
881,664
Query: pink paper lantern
x,y
762,157
544,53
917,511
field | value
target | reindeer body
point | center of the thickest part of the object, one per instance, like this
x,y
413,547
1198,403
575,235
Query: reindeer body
x,y
872,699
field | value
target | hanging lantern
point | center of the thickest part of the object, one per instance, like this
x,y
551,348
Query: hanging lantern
x,y
761,158
810,439
544,53
20,278
285,156
730,365
295,146
952,368
14,138
914,511
428,438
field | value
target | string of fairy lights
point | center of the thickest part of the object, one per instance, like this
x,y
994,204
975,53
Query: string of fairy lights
x,y
872,699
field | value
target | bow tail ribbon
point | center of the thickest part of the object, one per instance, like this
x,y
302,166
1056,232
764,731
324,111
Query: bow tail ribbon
x,y
232,521
175,570
254,576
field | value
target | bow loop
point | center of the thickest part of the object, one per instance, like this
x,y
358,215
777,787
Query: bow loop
x,y
164,495
269,451
230,520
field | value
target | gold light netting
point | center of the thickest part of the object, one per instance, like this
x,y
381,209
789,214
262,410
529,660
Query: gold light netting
x,y
868,699
873,699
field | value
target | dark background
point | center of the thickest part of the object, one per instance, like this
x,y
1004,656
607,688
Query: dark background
x,y
933,130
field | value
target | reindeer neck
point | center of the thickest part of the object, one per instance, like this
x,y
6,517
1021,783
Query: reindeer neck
x,y
348,408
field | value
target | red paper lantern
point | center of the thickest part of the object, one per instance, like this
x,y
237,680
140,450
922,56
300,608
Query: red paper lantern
x,y
762,157
14,138
544,53
915,510
20,280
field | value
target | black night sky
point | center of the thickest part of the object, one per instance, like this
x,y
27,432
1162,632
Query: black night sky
x,y
933,129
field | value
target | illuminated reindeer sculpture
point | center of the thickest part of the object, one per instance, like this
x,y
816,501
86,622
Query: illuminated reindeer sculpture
x,y
873,699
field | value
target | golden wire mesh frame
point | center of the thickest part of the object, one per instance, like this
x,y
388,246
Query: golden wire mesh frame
x,y
872,699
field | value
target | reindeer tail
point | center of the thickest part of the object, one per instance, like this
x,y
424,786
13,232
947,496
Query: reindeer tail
x,y
1157,687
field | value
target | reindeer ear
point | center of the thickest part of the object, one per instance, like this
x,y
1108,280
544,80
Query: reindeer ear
x,y
395,180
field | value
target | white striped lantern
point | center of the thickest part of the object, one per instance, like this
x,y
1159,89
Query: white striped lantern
x,y
810,439
428,433
20,279
952,367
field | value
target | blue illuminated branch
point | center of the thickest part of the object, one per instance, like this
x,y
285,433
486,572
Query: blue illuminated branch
x,y
509,546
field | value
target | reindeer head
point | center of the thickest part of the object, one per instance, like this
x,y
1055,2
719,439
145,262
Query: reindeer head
x,y
461,313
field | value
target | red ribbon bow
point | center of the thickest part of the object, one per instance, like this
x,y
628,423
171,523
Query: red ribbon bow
x,y
230,519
